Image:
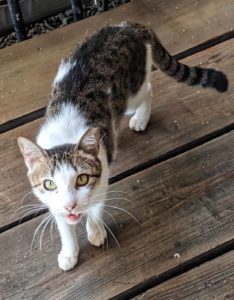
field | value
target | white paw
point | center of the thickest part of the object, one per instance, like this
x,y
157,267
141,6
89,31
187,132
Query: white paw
x,y
97,238
67,262
138,123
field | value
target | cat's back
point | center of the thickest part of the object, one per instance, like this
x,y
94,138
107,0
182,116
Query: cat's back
x,y
110,63
112,53
107,39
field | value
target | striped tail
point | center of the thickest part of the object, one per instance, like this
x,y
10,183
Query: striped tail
x,y
190,75
182,73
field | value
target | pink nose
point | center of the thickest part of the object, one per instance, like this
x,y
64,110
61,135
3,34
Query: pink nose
x,y
70,207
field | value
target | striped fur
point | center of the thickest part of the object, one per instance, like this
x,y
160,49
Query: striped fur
x,y
182,73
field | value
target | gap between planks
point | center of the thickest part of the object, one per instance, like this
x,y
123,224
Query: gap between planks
x,y
211,280
39,113
178,270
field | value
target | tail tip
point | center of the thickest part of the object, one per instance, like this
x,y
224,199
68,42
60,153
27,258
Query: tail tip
x,y
220,81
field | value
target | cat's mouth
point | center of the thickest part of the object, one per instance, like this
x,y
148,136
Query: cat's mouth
x,y
73,218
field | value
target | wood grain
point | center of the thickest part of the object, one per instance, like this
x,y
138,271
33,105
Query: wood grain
x,y
211,280
185,206
180,115
27,69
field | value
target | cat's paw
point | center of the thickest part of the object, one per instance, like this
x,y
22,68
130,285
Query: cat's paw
x,y
97,238
67,262
138,123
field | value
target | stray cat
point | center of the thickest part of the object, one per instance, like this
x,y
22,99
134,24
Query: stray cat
x,y
106,76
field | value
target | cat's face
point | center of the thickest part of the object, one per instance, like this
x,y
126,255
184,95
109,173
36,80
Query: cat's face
x,y
65,178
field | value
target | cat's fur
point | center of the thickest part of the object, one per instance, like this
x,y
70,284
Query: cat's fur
x,y
106,76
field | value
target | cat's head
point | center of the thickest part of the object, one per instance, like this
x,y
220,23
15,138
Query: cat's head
x,y
67,177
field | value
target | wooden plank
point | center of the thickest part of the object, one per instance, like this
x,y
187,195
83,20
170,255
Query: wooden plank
x,y
185,206
27,69
212,280
180,114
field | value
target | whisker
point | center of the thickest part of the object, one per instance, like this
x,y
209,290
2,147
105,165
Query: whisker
x,y
100,231
37,229
122,209
32,207
107,212
3,196
105,225
29,206
119,198
22,200
52,228
116,191
35,211
36,185
43,229
107,242
82,163
27,209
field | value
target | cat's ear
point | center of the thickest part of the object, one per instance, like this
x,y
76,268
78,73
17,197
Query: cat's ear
x,y
90,141
32,153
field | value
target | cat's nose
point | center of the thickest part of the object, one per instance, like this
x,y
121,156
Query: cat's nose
x,y
70,207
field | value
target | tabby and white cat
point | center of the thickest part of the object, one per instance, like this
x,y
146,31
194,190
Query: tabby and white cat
x,y
106,76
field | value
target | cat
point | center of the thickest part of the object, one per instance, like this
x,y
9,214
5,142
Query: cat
x,y
107,76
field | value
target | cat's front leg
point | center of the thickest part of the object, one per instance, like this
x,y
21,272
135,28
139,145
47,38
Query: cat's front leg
x,y
68,256
95,228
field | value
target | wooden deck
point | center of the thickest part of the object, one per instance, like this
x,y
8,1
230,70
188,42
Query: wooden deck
x,y
180,172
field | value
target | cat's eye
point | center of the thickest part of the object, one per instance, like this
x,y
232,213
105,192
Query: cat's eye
x,y
49,185
82,180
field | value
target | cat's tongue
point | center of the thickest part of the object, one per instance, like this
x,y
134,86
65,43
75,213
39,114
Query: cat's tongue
x,y
73,217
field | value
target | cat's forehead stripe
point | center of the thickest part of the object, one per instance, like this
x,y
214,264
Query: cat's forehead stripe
x,y
78,160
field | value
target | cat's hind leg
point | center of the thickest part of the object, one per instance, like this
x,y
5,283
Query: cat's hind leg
x,y
140,119
95,227
141,101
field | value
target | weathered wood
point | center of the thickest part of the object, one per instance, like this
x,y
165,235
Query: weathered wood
x,y
180,114
27,69
185,206
212,280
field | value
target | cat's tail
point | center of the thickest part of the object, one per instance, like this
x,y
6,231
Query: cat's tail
x,y
182,73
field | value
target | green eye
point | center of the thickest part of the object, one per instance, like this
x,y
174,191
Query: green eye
x,y
82,180
49,185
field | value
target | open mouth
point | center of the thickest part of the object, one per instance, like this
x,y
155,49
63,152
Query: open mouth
x,y
73,218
